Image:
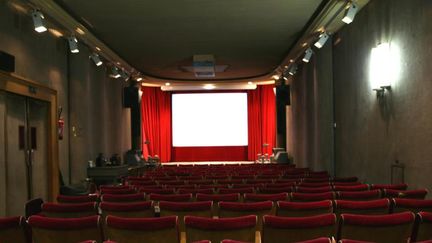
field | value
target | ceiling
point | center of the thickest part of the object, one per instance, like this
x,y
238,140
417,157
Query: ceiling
x,y
159,37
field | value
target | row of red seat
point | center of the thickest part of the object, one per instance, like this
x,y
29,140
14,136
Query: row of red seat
x,y
400,227
226,208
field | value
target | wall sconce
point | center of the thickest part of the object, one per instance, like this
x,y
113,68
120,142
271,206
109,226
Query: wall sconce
x,y
382,69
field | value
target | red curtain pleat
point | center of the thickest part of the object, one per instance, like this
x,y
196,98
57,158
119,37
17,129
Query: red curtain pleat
x,y
156,123
261,121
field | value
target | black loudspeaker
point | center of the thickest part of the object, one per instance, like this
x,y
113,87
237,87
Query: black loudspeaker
x,y
7,62
130,96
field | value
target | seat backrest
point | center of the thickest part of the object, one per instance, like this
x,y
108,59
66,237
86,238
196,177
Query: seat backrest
x,y
359,195
77,199
12,229
137,230
136,197
402,186
423,226
237,209
294,229
360,187
413,194
319,240
216,230
77,210
303,209
181,209
128,210
117,191
413,205
395,228
186,197
65,230
255,197
314,189
305,197
233,197
380,206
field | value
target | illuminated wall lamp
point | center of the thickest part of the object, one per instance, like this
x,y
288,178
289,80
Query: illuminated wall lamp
x,y
380,69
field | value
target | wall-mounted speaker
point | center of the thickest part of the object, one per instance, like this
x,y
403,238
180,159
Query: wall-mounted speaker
x,y
130,97
7,62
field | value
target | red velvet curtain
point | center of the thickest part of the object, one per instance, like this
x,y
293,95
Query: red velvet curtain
x,y
261,121
156,123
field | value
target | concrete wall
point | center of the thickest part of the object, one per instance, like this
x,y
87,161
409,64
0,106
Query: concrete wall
x,y
373,133
91,101
310,115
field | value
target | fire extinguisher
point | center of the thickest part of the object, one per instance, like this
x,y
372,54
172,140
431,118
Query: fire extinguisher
x,y
60,124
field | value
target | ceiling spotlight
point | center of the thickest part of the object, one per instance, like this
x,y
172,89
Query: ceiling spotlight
x,y
308,55
250,83
139,79
209,86
96,59
38,21
114,72
124,75
167,84
73,44
322,40
293,69
350,13
275,77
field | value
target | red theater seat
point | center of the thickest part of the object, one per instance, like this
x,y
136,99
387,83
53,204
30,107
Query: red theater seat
x,y
294,229
137,197
181,209
157,190
395,228
424,227
195,191
233,241
303,197
237,209
361,187
216,230
65,230
346,183
77,199
303,209
273,190
314,184
112,187
128,210
137,230
413,205
390,186
173,198
380,206
360,195
314,189
76,210
236,190
253,197
118,191
201,182
413,194
12,229
354,241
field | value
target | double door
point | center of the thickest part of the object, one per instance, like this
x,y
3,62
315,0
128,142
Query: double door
x,y
24,130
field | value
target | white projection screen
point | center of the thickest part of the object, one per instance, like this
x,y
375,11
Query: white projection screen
x,y
209,119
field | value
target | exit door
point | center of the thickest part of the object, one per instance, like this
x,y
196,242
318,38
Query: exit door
x,y
26,150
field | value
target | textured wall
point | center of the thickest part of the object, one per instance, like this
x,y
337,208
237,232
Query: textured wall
x,y
372,133
90,100
310,116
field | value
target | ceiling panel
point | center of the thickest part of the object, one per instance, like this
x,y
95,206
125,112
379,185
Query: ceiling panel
x,y
158,37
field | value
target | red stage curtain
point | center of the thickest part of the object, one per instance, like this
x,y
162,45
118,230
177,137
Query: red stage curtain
x,y
156,123
261,120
